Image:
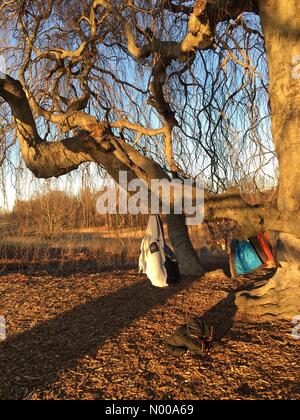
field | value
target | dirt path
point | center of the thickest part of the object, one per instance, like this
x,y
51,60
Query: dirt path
x,y
99,336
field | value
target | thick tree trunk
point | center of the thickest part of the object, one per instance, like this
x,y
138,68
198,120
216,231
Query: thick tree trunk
x,y
280,297
189,262
281,26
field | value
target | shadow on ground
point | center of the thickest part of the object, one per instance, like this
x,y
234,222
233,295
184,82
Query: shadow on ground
x,y
221,317
35,358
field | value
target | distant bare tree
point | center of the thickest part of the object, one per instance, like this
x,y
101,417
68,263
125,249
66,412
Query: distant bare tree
x,y
47,215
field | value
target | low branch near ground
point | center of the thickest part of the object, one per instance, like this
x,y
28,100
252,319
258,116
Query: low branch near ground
x,y
251,219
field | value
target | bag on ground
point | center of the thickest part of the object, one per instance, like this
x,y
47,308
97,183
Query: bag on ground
x,y
195,336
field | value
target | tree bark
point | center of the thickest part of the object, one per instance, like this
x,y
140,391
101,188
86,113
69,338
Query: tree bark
x,y
280,297
187,257
281,25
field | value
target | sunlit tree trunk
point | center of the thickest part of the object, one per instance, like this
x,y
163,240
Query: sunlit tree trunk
x,y
186,255
281,26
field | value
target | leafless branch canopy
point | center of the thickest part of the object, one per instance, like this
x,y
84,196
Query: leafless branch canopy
x,y
183,82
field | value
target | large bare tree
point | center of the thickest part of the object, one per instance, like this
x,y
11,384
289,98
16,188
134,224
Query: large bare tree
x,y
164,89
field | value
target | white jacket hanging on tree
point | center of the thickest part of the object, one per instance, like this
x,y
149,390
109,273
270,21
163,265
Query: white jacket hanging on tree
x,y
152,259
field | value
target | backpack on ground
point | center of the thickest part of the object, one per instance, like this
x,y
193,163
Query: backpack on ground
x,y
195,337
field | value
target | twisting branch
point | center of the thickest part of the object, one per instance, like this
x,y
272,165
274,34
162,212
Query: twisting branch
x,y
134,50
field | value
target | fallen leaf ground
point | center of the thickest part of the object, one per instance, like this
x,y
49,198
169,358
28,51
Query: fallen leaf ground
x,y
100,336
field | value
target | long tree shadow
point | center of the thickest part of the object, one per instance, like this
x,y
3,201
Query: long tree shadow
x,y
35,357
221,317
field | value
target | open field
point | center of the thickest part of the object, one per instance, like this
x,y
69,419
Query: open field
x,y
98,335
95,248
87,248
